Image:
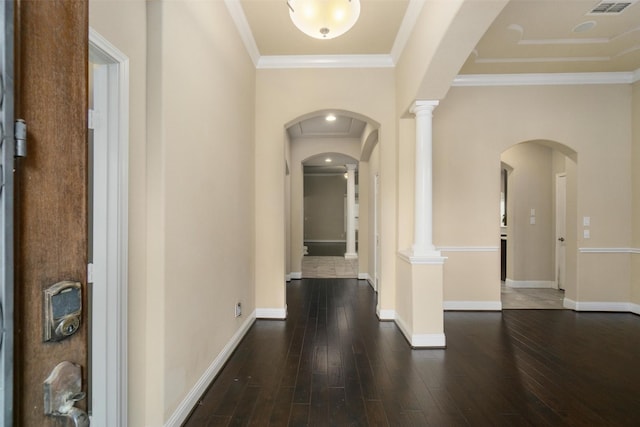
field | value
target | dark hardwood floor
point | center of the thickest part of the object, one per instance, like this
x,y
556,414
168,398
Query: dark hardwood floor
x,y
332,363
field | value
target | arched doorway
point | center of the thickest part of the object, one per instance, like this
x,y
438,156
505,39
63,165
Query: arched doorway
x,y
537,184
311,140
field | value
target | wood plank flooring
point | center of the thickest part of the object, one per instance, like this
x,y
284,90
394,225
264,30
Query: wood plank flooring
x,y
332,363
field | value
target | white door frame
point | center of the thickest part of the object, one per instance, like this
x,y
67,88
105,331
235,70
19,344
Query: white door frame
x,y
110,233
376,235
561,229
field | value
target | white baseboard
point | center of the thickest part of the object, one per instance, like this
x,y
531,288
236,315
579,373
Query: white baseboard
x,y
530,284
191,400
386,314
364,276
296,275
421,340
287,277
428,341
271,313
622,307
473,305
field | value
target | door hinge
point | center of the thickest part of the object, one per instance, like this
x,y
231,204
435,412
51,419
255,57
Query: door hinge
x,y
91,119
90,273
20,136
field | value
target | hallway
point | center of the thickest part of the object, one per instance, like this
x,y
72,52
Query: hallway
x,y
332,363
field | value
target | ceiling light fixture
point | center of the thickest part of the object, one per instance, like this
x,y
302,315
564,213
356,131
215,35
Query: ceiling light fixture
x,y
324,19
328,160
330,118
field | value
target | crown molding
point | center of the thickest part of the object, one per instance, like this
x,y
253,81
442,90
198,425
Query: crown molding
x,y
239,18
546,79
325,61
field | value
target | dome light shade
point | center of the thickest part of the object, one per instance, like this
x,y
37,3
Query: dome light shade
x,y
324,19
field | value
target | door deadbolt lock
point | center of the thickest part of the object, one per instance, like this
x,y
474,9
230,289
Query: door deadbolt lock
x,y
62,310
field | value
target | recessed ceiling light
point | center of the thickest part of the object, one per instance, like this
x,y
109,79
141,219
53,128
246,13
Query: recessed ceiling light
x,y
584,27
328,160
330,118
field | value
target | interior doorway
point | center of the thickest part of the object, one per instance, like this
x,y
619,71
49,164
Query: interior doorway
x,y
533,224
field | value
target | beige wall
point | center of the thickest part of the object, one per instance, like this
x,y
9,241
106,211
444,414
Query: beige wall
x,y
372,169
124,25
467,165
191,210
284,96
635,159
324,208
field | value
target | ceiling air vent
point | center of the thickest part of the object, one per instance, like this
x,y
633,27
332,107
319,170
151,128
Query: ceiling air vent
x,y
610,7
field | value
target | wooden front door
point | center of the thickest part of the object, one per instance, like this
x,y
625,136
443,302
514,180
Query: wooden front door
x,y
50,193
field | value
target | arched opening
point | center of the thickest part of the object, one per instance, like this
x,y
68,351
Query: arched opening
x,y
537,213
319,221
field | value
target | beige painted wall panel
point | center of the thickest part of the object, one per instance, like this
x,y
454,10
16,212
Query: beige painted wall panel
x,y
473,126
124,25
604,277
472,276
404,295
324,210
406,182
282,97
207,93
427,299
374,169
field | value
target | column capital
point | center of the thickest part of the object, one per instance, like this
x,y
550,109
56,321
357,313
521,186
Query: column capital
x,y
351,166
424,105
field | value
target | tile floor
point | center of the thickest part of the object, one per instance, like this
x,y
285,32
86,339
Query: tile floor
x,y
514,298
328,267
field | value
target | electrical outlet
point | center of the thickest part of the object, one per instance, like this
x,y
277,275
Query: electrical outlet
x,y
238,309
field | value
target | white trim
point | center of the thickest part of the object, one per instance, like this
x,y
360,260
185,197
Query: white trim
x,y
325,241
635,308
468,248
295,275
352,255
191,399
239,18
408,23
635,76
271,313
434,259
472,305
386,314
287,277
428,341
324,61
599,306
543,79
364,276
609,250
421,340
539,284
110,290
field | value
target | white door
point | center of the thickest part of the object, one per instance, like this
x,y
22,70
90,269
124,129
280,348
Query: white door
x,y
561,226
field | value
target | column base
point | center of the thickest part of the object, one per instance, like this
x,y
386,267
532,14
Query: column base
x,y
350,255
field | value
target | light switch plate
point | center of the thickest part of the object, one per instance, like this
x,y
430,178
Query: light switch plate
x,y
586,234
532,220
586,221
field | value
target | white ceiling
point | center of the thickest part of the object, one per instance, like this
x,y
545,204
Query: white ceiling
x,y
319,127
529,36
